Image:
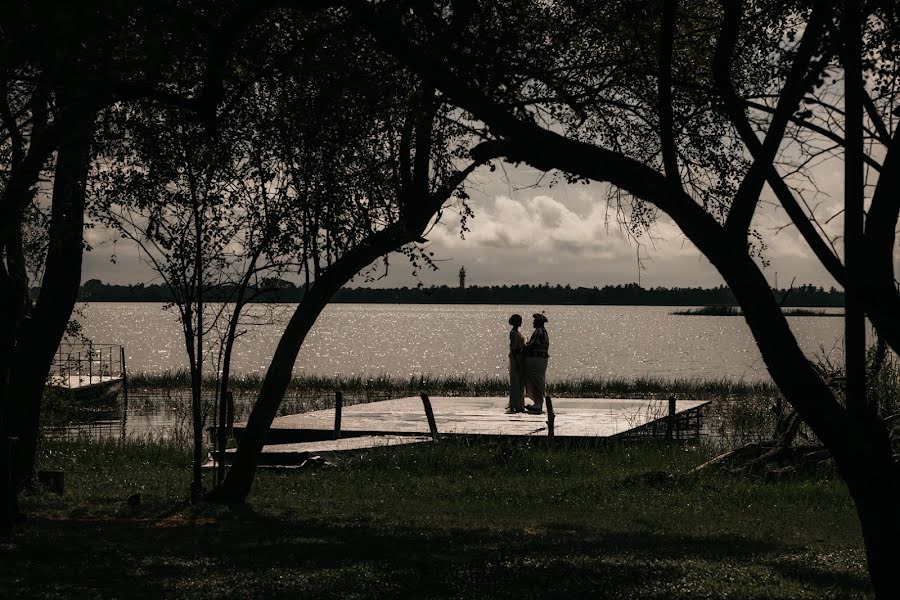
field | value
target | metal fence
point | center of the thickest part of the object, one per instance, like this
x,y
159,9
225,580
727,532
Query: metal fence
x,y
89,363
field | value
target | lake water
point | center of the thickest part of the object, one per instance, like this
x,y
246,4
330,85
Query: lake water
x,y
410,339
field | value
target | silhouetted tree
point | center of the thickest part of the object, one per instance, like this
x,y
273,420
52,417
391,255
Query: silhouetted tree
x,y
61,65
375,165
692,109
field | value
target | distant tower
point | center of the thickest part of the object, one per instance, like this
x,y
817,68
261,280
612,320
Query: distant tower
x,y
462,278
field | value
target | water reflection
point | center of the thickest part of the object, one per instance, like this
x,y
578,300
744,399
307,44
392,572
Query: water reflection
x,y
454,340
597,342
165,414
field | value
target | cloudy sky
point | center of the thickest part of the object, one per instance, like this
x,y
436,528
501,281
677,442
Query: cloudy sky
x,y
526,231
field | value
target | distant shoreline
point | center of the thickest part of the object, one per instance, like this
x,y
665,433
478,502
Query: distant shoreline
x,y
514,295
403,303
733,311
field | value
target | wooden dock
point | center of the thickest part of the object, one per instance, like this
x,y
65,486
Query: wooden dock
x,y
575,418
296,455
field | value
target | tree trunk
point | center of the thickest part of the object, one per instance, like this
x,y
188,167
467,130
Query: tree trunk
x,y
237,482
59,288
7,343
197,374
239,479
864,460
15,303
881,297
197,422
195,365
873,479
854,188
225,402
18,190
857,439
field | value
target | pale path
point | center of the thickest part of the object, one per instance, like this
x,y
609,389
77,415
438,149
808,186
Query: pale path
x,y
575,417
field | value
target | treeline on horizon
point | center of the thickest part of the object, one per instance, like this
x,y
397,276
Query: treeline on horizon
x,y
624,294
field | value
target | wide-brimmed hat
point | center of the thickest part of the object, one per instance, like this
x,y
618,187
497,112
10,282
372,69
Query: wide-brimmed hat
x,y
540,317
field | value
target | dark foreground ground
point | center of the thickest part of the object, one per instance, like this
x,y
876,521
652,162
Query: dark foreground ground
x,y
437,520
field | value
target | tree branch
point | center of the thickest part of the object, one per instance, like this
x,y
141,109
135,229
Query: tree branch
x,y
798,81
830,135
882,301
664,88
541,148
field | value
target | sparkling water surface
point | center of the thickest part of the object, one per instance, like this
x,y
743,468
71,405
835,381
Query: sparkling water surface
x,y
406,340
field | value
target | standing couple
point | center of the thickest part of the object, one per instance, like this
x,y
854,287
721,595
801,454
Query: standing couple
x,y
527,365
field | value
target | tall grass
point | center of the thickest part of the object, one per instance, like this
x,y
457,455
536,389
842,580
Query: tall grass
x,y
739,411
883,381
610,387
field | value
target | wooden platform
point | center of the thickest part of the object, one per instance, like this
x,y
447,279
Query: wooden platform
x,y
478,416
290,455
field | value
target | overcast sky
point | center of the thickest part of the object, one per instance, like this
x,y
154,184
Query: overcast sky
x,y
566,234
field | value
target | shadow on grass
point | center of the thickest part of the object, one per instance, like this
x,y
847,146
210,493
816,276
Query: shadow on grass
x,y
220,552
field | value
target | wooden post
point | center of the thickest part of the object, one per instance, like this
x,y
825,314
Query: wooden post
x,y
338,404
124,390
670,422
551,416
429,414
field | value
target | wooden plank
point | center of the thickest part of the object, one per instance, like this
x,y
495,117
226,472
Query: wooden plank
x,y
343,444
572,417
285,455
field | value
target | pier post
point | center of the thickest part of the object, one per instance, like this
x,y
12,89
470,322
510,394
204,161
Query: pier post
x,y
429,414
551,417
670,422
124,389
338,405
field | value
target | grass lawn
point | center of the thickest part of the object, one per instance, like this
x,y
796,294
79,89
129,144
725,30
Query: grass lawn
x,y
452,519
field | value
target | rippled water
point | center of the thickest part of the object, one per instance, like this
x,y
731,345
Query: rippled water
x,y
408,339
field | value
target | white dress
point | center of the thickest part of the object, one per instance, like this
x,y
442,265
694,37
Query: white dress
x,y
516,376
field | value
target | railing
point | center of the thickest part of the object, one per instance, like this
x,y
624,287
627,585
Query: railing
x,y
684,425
78,364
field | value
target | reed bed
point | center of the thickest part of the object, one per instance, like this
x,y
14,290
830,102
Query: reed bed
x,y
739,411
437,385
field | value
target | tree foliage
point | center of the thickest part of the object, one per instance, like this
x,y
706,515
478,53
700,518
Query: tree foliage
x,y
695,110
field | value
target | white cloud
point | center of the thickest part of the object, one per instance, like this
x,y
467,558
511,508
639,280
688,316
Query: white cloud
x,y
523,232
538,223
